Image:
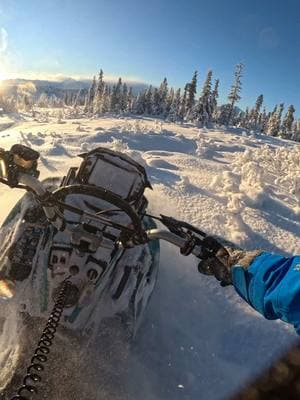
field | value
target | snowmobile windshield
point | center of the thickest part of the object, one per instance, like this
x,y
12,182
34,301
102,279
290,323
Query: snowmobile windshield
x,y
115,172
118,180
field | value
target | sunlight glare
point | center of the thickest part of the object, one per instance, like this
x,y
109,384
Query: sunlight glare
x,y
3,74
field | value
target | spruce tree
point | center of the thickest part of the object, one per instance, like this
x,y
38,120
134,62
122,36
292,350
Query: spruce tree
x,y
130,100
274,125
263,121
245,119
234,95
98,101
86,103
256,112
77,99
272,122
296,131
169,101
105,100
140,103
278,119
116,97
156,102
175,107
163,94
271,129
124,98
202,112
89,104
214,100
183,107
92,93
66,99
149,101
288,122
190,95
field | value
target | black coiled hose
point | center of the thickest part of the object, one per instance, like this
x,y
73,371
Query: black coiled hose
x,y
40,355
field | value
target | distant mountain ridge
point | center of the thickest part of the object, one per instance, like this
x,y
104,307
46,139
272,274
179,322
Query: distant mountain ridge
x,y
10,86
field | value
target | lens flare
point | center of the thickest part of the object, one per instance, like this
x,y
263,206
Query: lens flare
x,y
7,289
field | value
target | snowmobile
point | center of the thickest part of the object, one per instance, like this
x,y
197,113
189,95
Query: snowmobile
x,y
83,246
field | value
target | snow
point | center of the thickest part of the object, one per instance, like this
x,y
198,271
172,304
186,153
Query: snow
x,y
198,340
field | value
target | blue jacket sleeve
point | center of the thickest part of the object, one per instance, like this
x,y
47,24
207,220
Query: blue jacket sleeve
x,y
271,285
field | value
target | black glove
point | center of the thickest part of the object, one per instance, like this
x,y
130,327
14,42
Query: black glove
x,y
219,256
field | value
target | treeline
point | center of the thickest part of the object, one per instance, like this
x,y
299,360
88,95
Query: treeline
x,y
178,105
175,105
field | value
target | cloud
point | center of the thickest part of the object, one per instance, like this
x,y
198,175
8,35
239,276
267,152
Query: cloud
x,y
3,40
32,75
268,38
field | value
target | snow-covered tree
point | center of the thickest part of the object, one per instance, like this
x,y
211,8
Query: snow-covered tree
x,y
43,100
169,101
234,95
130,100
214,100
89,104
66,98
296,131
149,101
124,98
202,112
140,103
279,117
175,107
288,122
263,121
191,90
245,119
105,100
272,122
77,99
183,107
222,114
163,94
156,102
116,97
254,116
99,91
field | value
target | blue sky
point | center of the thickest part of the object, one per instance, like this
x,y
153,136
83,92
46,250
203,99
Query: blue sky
x,y
147,40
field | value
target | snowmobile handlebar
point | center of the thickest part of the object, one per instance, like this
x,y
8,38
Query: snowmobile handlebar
x,y
18,168
187,244
162,234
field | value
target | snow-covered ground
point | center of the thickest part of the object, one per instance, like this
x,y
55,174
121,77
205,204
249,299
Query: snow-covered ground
x,y
198,340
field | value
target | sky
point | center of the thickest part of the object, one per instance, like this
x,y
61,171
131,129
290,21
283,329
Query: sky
x,y
148,40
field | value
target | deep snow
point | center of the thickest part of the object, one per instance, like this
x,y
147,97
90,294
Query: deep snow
x,y
198,340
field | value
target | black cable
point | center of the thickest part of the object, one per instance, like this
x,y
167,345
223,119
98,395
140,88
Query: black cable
x,y
33,377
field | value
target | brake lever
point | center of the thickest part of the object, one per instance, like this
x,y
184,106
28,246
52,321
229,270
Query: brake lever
x,y
177,226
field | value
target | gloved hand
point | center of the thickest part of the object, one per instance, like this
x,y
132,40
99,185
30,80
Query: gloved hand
x,y
219,256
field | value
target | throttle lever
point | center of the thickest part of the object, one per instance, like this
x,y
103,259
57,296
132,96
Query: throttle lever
x,y
176,226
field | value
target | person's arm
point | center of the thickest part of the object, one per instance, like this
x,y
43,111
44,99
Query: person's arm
x,y
269,283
